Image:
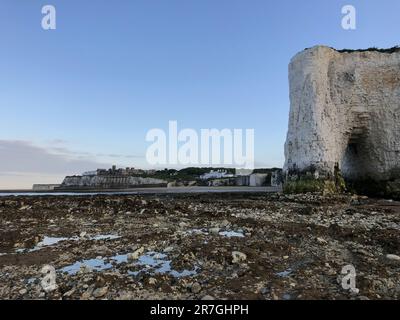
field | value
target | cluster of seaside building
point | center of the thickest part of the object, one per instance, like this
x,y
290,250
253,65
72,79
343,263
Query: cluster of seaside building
x,y
114,171
124,178
251,179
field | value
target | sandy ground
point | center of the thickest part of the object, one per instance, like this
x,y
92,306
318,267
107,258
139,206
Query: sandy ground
x,y
198,246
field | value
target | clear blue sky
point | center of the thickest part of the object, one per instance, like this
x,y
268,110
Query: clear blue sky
x,y
115,69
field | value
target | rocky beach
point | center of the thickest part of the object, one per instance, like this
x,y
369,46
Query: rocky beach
x,y
199,246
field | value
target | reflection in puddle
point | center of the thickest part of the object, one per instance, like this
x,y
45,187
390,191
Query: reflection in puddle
x,y
152,262
157,262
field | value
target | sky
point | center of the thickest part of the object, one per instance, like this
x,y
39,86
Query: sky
x,y
83,96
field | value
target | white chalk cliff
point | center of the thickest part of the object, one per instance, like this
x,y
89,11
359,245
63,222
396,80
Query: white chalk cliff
x,y
345,110
111,182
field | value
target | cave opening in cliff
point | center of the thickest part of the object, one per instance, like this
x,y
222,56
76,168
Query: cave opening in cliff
x,y
354,160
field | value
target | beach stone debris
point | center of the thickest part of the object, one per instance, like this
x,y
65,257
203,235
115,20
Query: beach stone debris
x,y
238,257
136,254
100,292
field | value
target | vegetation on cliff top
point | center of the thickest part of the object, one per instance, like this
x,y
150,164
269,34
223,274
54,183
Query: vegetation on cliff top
x,y
372,49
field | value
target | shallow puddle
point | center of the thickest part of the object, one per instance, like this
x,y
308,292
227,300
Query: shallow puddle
x,y
231,234
226,233
159,264
95,264
150,262
51,241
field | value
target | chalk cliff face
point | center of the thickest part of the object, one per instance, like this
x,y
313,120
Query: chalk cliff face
x,y
109,182
345,110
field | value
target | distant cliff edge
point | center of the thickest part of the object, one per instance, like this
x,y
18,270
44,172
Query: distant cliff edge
x,y
110,182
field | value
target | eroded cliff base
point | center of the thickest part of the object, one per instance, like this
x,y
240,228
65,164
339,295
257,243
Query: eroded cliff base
x,y
388,189
311,181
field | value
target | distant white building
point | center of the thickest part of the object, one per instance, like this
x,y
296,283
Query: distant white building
x,y
216,175
89,173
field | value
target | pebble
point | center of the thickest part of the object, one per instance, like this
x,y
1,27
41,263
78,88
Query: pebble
x,y
354,291
238,257
393,257
86,295
83,234
100,292
196,287
69,293
84,269
136,254
23,291
265,290
225,223
214,231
